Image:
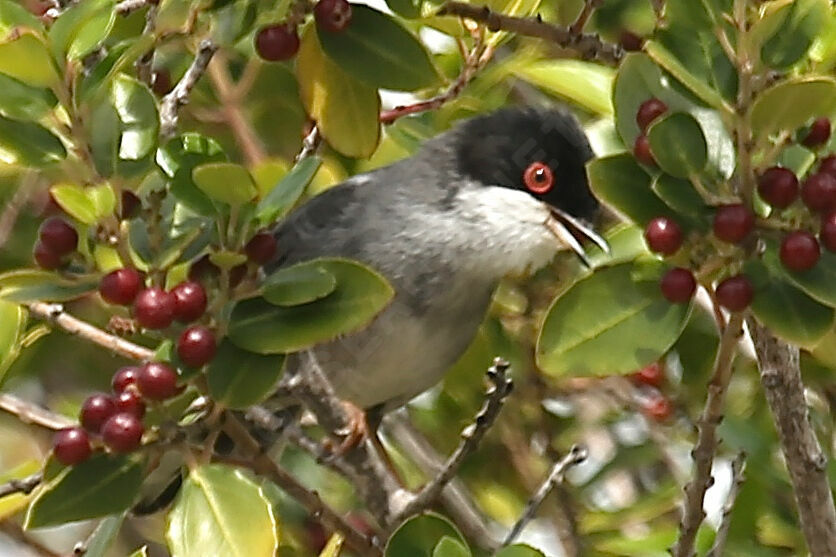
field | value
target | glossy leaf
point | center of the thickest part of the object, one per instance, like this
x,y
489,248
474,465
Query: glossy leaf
x,y
103,536
695,84
27,59
680,195
450,547
12,325
99,486
608,323
225,182
800,23
137,111
178,157
409,9
678,144
300,284
24,102
820,281
287,192
375,49
790,104
86,204
29,285
28,144
239,378
519,550
419,535
345,108
105,135
14,15
333,547
220,511
119,56
80,28
13,503
585,84
361,294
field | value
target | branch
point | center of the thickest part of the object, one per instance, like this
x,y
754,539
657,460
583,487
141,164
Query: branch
x,y
575,456
706,445
807,464
24,486
589,46
310,144
55,314
179,96
472,435
589,6
738,468
30,413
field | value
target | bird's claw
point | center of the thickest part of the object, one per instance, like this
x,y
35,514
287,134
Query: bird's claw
x,y
356,430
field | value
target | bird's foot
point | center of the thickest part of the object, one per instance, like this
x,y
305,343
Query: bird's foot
x,y
356,430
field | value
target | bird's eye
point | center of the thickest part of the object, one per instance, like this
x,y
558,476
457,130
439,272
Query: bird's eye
x,y
538,178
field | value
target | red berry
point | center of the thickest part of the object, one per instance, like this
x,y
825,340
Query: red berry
x,y
45,257
828,165
630,42
799,251
658,407
641,150
157,381
96,410
130,402
124,378
819,133
161,82
649,110
332,15
819,192
196,346
131,204
71,446
652,374
122,433
277,42
57,235
828,231
678,285
261,248
120,286
735,293
154,308
203,268
189,301
732,223
778,186
663,235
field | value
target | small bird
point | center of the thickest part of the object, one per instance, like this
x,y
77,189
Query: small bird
x,y
498,194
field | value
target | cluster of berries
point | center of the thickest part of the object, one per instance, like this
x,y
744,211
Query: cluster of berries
x,y
280,41
650,379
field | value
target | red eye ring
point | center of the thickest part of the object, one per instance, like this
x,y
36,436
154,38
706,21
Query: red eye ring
x,y
538,178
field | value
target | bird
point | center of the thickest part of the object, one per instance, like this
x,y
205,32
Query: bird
x,y
498,194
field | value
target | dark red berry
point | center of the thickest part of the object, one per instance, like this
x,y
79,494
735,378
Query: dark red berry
x,y
154,308
828,231
122,433
157,381
131,204
130,402
189,301
778,186
651,374
196,346
819,192
95,411
678,285
120,286
203,268
819,133
735,293
45,257
71,446
630,42
277,42
332,15
57,235
161,82
641,150
124,378
799,251
732,223
261,248
828,165
658,407
663,235
649,110
237,274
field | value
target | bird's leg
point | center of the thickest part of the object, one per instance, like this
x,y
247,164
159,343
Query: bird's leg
x,y
356,429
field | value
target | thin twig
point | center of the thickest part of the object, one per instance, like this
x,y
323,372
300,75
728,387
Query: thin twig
x,y
143,63
179,96
309,144
589,6
738,469
30,413
575,456
706,445
24,486
589,46
12,208
472,435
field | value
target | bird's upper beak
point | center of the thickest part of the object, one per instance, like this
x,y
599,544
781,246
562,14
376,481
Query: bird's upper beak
x,y
562,224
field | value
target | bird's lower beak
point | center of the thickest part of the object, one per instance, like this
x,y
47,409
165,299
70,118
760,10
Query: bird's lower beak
x,y
562,225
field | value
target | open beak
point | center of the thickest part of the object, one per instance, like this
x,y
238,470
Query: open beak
x,y
562,224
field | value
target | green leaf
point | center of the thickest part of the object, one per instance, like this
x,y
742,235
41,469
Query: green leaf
x,y
519,550
227,259
419,535
118,57
410,9
102,485
379,52
178,157
583,83
608,323
81,28
24,102
287,192
225,182
14,15
300,284
220,511
105,134
345,109
790,104
678,144
333,547
30,285
361,294
232,21
450,547
697,85
239,378
27,59
820,281
28,144
86,204
137,111
103,536
680,195
141,552
800,23
12,324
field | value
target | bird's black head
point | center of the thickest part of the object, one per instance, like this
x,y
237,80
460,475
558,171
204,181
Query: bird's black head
x,y
539,151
